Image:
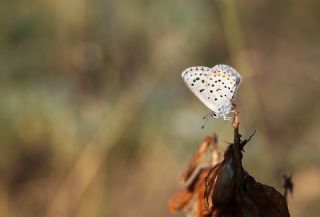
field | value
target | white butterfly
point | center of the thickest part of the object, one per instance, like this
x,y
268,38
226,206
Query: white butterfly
x,y
215,87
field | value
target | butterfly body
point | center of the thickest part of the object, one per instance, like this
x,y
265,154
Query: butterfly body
x,y
215,87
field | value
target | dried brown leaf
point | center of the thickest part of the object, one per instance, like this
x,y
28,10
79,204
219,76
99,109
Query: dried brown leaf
x,y
225,199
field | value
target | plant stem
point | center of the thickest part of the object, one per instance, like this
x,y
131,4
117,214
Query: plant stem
x,y
237,151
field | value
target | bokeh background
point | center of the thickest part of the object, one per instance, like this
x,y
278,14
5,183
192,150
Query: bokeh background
x,y
96,121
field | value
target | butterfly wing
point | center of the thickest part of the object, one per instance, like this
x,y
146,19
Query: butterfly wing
x,y
223,82
195,79
215,87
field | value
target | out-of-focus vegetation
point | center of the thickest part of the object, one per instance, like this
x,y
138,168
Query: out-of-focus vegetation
x,y
95,120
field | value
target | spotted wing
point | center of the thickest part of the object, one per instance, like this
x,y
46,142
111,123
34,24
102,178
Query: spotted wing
x,y
223,82
195,79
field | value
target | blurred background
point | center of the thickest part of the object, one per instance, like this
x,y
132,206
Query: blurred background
x,y
96,120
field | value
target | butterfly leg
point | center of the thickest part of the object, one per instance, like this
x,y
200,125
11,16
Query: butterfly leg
x,y
226,118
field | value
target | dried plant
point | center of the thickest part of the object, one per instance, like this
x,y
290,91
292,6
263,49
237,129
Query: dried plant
x,y
225,189
231,191
190,198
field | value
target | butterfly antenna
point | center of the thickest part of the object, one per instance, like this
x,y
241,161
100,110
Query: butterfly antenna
x,y
205,118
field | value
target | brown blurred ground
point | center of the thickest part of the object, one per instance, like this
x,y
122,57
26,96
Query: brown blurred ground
x,y
95,120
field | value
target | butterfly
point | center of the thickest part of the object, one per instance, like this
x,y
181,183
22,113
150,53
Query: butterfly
x,y
215,87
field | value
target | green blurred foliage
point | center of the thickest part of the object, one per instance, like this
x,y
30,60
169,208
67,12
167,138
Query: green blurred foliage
x,y
96,121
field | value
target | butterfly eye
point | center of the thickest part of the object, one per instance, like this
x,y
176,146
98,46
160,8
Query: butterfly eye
x,y
215,115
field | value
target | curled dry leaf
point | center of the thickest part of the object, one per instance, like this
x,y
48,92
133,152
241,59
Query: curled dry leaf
x,y
208,144
190,198
222,176
180,200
